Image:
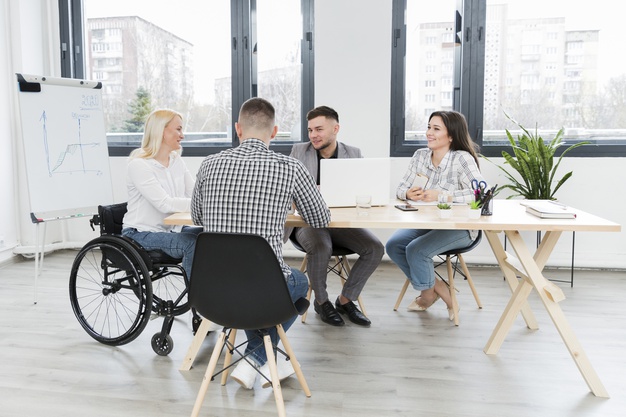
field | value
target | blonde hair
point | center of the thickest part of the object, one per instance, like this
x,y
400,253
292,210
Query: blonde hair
x,y
153,133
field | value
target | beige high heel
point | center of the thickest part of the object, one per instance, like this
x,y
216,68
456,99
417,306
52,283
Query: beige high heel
x,y
416,307
451,313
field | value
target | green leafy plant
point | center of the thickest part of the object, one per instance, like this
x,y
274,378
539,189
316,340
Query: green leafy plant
x,y
444,206
475,205
534,161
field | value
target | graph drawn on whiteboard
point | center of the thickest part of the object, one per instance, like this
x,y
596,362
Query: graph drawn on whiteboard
x,y
65,146
75,157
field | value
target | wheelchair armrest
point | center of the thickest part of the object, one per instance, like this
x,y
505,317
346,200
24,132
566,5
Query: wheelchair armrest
x,y
301,305
94,221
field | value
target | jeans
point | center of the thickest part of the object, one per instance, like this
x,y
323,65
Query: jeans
x,y
177,245
298,286
413,251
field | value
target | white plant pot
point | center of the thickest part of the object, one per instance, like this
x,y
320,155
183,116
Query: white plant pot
x,y
474,213
445,214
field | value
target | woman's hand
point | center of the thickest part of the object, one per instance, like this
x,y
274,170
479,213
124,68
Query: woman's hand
x,y
419,194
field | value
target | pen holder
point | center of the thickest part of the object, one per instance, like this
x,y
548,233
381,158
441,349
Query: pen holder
x,y
487,208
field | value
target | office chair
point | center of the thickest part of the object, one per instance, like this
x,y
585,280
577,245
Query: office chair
x,y
452,268
340,267
241,295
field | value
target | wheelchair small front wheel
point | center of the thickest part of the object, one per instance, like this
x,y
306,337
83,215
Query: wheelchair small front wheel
x,y
162,346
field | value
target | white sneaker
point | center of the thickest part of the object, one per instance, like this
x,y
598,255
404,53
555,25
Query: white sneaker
x,y
285,370
245,374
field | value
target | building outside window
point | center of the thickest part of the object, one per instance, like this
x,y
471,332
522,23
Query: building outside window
x,y
202,59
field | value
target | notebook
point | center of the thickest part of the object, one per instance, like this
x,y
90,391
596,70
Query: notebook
x,y
549,210
341,180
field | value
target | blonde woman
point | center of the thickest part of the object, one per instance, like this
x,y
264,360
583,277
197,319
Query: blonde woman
x,y
159,184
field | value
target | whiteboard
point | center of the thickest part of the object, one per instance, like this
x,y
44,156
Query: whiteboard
x,y
65,146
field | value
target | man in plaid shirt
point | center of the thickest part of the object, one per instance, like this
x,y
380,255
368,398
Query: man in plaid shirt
x,y
249,189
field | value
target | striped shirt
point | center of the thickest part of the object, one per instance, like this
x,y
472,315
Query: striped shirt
x,y
249,189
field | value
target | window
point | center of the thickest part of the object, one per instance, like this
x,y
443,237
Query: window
x,y
547,64
204,60
426,47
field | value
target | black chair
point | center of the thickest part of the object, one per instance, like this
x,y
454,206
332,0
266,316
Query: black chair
x,y
115,285
244,294
340,266
452,268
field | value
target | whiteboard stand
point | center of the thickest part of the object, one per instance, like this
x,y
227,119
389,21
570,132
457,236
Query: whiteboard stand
x,y
39,251
40,243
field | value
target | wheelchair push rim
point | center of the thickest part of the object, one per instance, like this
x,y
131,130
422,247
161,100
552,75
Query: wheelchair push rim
x,y
110,291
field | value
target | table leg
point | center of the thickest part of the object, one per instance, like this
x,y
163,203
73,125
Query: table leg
x,y
550,296
510,276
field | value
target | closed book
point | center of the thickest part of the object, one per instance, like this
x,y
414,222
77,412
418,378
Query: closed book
x,y
550,211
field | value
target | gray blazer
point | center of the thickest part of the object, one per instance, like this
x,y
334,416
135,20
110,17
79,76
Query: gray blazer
x,y
306,153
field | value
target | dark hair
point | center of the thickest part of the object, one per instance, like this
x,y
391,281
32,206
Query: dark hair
x,y
325,111
257,113
457,129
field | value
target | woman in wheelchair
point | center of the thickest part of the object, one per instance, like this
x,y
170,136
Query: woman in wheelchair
x,y
160,184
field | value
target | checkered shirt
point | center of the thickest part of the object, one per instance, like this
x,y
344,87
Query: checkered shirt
x,y
249,189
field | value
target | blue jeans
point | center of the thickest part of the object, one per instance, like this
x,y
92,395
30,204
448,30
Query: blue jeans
x,y
177,245
298,286
413,251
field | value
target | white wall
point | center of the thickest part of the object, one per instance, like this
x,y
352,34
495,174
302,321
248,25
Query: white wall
x,y
8,230
352,70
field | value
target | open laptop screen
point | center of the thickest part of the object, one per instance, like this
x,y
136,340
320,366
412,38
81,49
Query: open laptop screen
x,y
341,180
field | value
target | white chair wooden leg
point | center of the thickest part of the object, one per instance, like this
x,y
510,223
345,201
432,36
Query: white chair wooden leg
x,y
229,355
208,374
192,352
401,295
470,281
308,293
271,362
293,359
455,304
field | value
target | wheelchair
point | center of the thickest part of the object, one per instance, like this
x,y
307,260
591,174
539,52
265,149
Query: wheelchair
x,y
116,286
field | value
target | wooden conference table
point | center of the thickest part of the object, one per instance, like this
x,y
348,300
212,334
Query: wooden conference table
x,y
510,218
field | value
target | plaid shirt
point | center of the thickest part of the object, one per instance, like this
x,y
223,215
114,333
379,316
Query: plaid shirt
x,y
249,189
454,174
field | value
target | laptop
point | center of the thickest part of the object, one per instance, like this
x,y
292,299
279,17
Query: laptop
x,y
341,180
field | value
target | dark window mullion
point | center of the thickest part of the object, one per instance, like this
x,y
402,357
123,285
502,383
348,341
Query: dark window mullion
x,y
65,41
78,50
398,146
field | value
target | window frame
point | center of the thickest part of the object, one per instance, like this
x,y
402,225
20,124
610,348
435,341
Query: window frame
x,y
243,64
468,96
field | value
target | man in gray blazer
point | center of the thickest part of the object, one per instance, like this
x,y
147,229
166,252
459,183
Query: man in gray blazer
x,y
323,126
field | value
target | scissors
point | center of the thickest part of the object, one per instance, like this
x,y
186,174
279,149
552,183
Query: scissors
x,y
479,186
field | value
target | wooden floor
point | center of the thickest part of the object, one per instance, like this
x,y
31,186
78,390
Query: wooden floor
x,y
406,364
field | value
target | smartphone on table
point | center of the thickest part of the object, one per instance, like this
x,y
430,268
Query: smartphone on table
x,y
406,207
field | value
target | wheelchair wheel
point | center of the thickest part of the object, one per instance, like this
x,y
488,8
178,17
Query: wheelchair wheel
x,y
162,347
170,284
110,291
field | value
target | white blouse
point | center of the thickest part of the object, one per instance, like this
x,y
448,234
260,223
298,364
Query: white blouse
x,y
155,192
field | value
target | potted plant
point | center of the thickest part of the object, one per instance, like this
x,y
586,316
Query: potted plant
x,y
474,209
445,211
533,160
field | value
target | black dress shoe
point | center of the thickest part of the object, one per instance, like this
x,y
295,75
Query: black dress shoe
x,y
353,313
328,314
